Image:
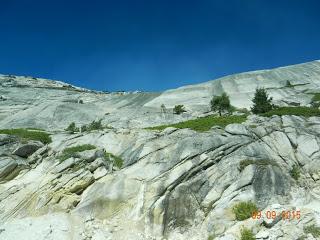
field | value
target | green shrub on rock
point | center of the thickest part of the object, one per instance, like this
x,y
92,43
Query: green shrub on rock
x,y
295,172
72,128
244,210
95,125
221,104
178,109
261,101
244,163
211,237
313,230
288,84
117,161
247,234
71,151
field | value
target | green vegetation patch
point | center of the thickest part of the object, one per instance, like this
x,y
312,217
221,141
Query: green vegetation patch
x,y
178,109
71,151
211,237
295,172
72,128
205,123
94,125
316,97
28,134
244,210
313,230
117,161
262,103
221,104
247,234
298,111
244,163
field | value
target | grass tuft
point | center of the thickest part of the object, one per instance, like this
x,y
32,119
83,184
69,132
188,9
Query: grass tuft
x,y
295,172
316,97
28,134
205,123
244,163
71,151
211,237
298,111
244,210
313,230
247,234
117,161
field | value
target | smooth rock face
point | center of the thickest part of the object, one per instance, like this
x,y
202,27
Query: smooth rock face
x,y
173,184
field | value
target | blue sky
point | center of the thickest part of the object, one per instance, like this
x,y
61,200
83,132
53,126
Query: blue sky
x,y
153,45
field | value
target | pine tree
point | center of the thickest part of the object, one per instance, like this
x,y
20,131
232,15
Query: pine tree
x,y
261,101
72,128
221,103
178,109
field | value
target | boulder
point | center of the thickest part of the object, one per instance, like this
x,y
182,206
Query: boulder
x,y
28,149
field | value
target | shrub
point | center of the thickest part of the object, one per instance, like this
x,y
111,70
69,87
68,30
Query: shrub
x,y
261,101
72,128
298,111
71,151
178,109
288,84
244,210
247,234
244,163
316,97
313,230
210,237
295,172
28,134
204,123
220,103
117,161
84,128
95,125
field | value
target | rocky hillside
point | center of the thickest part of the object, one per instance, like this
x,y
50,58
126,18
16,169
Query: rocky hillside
x,y
40,103
122,181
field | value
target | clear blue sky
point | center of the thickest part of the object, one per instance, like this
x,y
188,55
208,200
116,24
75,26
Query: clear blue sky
x,y
153,45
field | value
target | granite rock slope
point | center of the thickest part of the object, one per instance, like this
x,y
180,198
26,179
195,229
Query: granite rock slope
x,y
134,183
53,105
173,184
